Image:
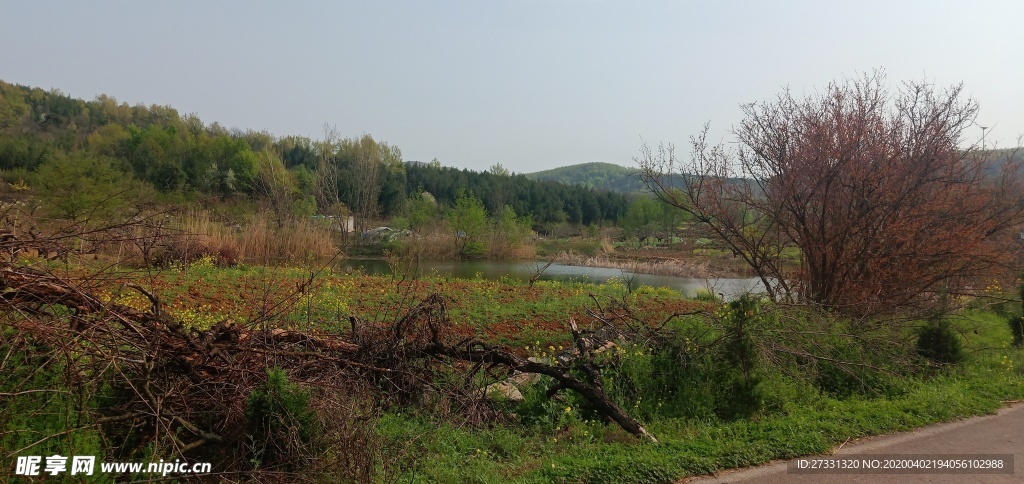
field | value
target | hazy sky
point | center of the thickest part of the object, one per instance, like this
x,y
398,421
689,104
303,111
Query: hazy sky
x,y
530,84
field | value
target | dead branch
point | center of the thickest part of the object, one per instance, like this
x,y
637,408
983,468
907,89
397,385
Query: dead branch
x,y
181,390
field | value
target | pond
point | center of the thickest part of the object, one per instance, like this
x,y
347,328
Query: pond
x,y
524,270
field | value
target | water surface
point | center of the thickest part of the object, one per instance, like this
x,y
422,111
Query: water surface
x,y
524,270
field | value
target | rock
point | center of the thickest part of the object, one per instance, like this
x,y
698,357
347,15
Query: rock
x,y
524,379
536,359
504,390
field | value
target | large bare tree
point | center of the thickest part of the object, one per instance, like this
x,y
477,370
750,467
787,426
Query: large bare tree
x,y
370,161
878,191
327,173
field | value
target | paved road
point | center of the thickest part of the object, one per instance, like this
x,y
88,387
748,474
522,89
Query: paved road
x,y
1002,433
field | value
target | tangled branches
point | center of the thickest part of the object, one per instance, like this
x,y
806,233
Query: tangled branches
x,y
150,383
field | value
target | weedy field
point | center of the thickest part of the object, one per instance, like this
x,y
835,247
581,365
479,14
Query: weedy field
x,y
505,311
720,385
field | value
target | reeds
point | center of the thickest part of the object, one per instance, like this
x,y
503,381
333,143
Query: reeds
x,y
257,240
438,242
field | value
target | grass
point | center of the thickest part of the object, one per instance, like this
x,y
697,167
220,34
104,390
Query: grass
x,y
573,449
40,423
505,311
687,447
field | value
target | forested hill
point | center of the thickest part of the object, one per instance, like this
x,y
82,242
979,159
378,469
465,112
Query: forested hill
x,y
545,201
1000,157
48,139
609,176
601,176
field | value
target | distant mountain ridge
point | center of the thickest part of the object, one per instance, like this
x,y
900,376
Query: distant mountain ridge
x,y
600,176
1000,157
618,178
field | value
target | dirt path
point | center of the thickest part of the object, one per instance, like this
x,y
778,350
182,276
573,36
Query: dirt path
x,y
1002,433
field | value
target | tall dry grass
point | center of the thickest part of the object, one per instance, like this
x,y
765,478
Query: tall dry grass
x,y
502,246
258,240
261,240
437,242
434,242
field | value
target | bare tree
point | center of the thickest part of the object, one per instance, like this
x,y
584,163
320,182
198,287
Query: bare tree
x,y
873,189
369,159
327,173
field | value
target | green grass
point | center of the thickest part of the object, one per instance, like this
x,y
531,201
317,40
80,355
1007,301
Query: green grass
x,y
40,423
504,311
571,448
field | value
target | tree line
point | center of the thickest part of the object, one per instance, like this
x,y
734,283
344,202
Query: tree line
x,y
102,144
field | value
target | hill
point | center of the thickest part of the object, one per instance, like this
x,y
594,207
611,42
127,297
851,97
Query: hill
x,y
600,176
95,148
618,178
1000,157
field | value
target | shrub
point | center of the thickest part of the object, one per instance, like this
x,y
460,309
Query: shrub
x,y
696,371
937,342
474,248
742,357
1017,328
1017,322
704,294
281,426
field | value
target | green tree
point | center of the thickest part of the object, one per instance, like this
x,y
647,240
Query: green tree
x,y
643,218
509,230
275,184
12,105
497,169
220,163
468,219
108,140
243,166
671,216
82,185
280,424
421,209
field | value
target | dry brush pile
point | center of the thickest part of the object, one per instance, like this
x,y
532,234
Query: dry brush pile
x,y
150,385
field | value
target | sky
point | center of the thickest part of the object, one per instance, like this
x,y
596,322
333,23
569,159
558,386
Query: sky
x,y
529,84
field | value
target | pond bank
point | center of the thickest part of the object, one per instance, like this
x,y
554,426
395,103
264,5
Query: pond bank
x,y
696,268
